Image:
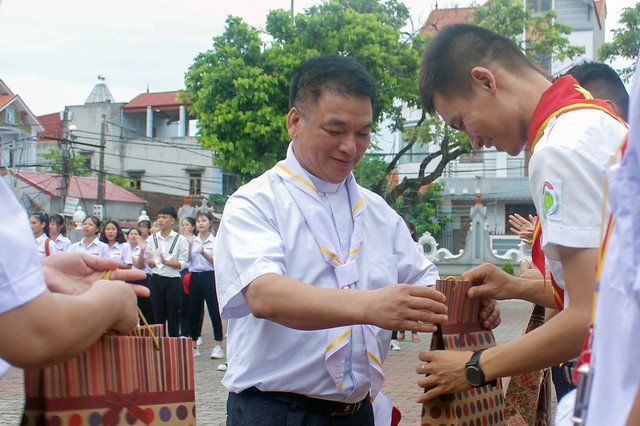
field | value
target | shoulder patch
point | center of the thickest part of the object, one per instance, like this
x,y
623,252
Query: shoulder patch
x,y
552,199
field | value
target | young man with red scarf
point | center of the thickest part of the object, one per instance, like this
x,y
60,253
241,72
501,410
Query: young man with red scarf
x,y
481,83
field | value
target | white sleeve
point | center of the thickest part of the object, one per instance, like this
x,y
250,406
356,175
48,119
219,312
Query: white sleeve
x,y
125,256
183,251
413,265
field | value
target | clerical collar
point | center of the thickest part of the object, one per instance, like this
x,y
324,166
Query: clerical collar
x,y
324,186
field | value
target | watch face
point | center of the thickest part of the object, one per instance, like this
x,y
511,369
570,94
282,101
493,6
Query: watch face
x,y
474,375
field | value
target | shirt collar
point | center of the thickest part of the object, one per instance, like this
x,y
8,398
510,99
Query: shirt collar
x,y
321,185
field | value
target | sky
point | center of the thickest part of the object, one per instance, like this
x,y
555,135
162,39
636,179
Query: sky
x,y
52,51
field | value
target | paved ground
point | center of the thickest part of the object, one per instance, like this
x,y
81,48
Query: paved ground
x,y
211,396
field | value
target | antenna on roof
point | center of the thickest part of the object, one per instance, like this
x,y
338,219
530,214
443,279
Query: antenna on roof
x,y
147,81
101,78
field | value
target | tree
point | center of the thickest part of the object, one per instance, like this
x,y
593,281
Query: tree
x,y
626,41
239,88
77,163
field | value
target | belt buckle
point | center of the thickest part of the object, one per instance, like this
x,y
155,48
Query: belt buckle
x,y
344,410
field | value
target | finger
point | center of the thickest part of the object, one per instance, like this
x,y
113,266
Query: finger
x,y
140,290
99,264
127,275
426,292
429,395
486,290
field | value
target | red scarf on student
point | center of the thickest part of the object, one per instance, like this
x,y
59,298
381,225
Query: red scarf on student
x,y
564,95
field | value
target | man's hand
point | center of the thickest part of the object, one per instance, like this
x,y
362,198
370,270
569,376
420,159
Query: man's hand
x,y
523,227
489,281
490,313
408,307
446,373
74,273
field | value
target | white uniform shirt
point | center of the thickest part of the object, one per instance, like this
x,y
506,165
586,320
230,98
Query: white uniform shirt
x,y
263,231
120,252
616,346
566,172
63,243
157,244
41,241
21,278
197,262
96,248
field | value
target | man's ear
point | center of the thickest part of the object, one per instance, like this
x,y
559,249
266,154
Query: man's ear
x,y
293,120
483,79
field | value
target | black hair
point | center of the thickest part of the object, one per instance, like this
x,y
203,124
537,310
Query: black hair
x,y
338,75
95,221
209,216
59,220
119,234
42,218
169,210
455,50
192,221
603,83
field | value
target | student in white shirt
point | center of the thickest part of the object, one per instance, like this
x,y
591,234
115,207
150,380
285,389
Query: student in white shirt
x,y
48,306
203,285
188,231
91,243
58,232
144,303
113,237
167,252
40,226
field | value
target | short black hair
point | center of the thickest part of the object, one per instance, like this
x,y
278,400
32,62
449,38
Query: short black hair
x,y
170,210
455,50
339,75
603,83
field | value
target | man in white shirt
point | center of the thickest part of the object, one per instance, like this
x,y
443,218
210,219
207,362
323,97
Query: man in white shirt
x,y
167,253
481,83
307,266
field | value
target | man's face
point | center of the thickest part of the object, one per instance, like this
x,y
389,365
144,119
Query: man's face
x,y
165,221
485,120
331,137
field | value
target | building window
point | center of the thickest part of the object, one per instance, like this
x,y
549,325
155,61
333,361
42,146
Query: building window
x,y
10,116
195,183
472,157
539,5
229,183
523,210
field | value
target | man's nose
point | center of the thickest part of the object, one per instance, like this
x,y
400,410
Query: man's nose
x,y
348,145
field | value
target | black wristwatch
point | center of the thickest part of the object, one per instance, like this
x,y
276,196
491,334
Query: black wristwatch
x,y
473,372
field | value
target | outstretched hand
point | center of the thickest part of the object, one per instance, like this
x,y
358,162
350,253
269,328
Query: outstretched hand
x,y
490,282
446,373
523,227
74,273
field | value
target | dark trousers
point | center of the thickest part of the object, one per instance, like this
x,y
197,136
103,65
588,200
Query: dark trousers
x,y
255,408
165,300
184,308
144,303
203,288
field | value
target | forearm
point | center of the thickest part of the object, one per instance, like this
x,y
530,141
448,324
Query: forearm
x,y
55,327
562,337
139,260
302,306
535,291
634,414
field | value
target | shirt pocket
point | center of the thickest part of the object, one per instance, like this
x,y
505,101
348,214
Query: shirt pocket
x,y
381,271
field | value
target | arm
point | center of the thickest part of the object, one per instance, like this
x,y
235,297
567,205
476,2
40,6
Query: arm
x,y
561,337
206,255
634,414
125,256
303,306
54,327
492,282
182,259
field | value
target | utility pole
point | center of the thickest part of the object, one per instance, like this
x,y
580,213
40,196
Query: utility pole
x,y
64,148
103,143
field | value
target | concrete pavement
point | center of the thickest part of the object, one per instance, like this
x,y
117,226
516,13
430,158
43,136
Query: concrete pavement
x,y
211,396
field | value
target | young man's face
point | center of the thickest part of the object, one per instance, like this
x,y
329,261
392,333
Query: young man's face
x,y
486,121
165,222
331,137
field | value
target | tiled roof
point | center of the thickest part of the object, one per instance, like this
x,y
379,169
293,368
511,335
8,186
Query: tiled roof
x,y
160,100
440,18
5,99
79,187
52,127
601,10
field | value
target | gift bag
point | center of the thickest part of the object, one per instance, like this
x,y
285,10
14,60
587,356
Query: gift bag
x,y
120,380
528,396
463,331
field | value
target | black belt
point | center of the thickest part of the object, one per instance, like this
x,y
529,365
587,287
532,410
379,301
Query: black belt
x,y
333,409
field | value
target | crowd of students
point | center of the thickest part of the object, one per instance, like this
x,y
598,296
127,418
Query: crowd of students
x,y
179,267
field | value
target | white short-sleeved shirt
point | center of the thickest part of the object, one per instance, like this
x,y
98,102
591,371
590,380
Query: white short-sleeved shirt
x,y
197,262
96,248
616,346
63,243
41,241
566,175
120,252
157,244
263,231
21,278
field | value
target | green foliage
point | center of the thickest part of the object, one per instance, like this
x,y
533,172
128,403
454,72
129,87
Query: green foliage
x,y
77,165
239,88
121,181
626,41
370,170
219,200
422,208
508,268
544,36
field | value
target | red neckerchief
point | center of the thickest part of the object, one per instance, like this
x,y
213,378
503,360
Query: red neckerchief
x,y
564,95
